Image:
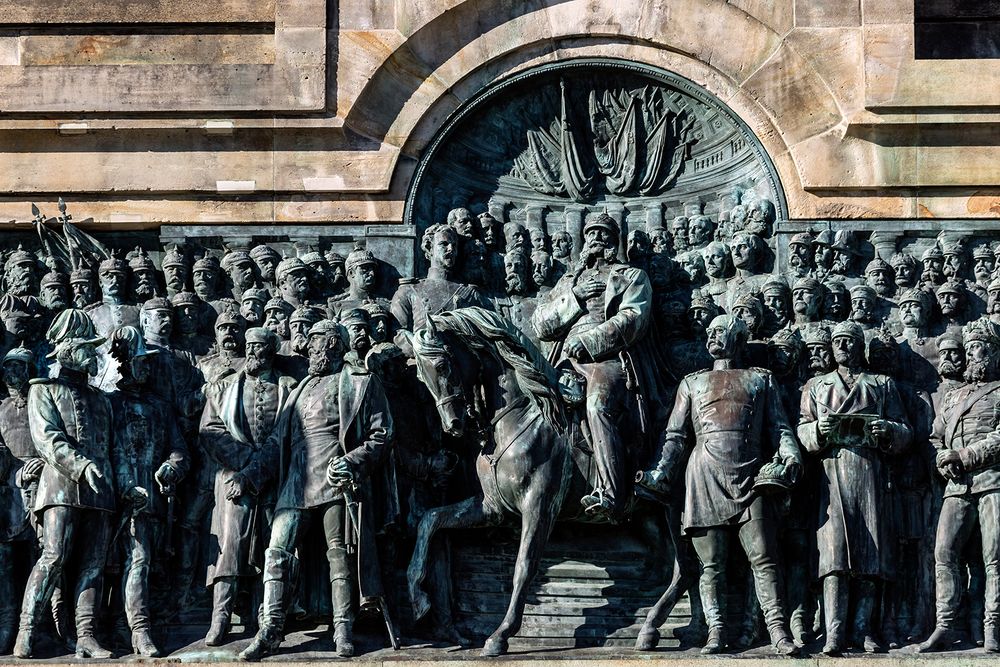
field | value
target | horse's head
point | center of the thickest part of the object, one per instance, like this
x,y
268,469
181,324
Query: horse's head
x,y
435,368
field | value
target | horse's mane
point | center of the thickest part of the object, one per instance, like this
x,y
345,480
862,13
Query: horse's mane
x,y
479,328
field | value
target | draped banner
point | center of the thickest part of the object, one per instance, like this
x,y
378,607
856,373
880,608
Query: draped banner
x,y
639,147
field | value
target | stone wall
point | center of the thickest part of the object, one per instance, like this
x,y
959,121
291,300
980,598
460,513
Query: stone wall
x,y
263,112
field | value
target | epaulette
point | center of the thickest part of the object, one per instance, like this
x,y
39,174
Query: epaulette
x,y
694,374
42,380
408,281
765,371
92,306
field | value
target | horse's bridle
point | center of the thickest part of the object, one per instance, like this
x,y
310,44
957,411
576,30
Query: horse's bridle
x,y
449,399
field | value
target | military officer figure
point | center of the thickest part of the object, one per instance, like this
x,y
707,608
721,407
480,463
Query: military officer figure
x,y
855,535
150,459
338,430
736,417
600,310
440,290
968,442
241,413
20,467
70,424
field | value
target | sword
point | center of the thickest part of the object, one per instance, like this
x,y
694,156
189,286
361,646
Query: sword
x,y
347,488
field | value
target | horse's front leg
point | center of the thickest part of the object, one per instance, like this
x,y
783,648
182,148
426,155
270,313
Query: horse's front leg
x,y
537,518
469,513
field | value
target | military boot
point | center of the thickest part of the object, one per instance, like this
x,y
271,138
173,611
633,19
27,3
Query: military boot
x,y
277,573
143,644
340,589
864,607
714,602
223,593
991,638
835,598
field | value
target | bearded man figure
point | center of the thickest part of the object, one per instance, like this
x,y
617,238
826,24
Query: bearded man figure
x,y
338,430
849,421
601,310
70,424
241,413
968,443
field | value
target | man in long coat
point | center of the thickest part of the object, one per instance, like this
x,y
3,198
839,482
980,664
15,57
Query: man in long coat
x,y
336,426
240,415
738,422
855,531
151,457
597,314
70,423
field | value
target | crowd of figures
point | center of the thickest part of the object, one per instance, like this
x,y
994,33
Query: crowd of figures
x,y
840,422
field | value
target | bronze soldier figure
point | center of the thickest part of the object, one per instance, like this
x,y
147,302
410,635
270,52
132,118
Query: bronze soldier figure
x,y
850,419
20,468
70,424
968,443
240,415
599,311
150,460
739,424
337,431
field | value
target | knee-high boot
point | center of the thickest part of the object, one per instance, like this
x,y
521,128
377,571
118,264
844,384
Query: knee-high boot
x,y
835,598
223,594
8,604
277,570
340,589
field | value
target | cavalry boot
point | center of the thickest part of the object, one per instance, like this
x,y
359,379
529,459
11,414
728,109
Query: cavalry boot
x,y
714,601
835,591
864,608
88,647
947,597
265,643
782,642
22,646
223,593
939,639
340,589
61,619
143,644
277,573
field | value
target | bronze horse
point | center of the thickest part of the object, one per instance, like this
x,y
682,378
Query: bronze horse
x,y
475,361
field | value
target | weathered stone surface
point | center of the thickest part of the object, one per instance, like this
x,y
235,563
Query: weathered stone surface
x,y
164,49
794,96
21,12
835,13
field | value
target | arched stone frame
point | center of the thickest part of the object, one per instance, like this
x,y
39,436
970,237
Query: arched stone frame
x,y
700,46
500,87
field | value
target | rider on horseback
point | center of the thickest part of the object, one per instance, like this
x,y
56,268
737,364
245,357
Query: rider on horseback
x,y
601,310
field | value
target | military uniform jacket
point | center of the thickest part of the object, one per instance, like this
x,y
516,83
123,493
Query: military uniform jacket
x,y
227,434
344,414
147,435
413,303
628,299
16,448
970,421
738,421
70,425
855,505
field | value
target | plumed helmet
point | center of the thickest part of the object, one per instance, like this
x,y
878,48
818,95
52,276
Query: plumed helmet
x,y
72,324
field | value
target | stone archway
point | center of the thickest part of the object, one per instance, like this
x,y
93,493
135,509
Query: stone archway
x,y
551,145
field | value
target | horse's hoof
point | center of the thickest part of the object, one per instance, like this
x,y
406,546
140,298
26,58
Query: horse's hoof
x,y
494,647
647,640
421,604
